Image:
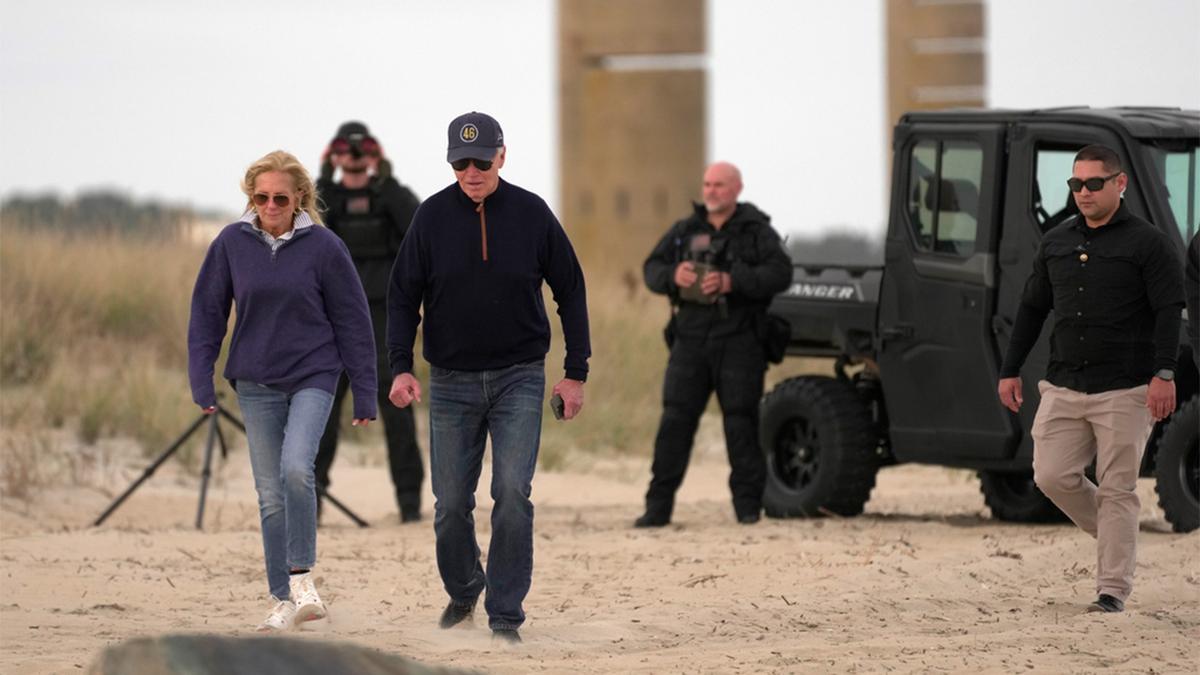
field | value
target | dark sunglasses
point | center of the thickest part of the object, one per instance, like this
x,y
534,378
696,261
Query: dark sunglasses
x,y
462,164
281,201
1092,184
363,146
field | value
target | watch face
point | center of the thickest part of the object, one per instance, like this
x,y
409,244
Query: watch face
x,y
1165,374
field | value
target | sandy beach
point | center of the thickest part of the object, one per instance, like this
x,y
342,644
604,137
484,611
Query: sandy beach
x,y
924,582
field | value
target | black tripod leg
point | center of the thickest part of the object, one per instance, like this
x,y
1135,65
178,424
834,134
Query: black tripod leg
x,y
151,469
321,492
213,432
221,410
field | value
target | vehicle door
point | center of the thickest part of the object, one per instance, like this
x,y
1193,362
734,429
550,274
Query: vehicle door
x,y
937,358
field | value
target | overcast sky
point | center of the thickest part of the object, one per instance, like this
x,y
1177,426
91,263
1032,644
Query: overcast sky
x,y
172,100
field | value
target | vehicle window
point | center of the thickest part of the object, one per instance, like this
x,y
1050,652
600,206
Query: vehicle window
x,y
923,166
1052,201
1181,176
943,195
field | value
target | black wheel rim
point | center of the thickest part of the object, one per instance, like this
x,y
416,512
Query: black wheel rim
x,y
797,454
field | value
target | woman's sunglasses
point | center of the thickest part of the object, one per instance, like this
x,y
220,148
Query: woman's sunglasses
x,y
462,164
1092,184
281,201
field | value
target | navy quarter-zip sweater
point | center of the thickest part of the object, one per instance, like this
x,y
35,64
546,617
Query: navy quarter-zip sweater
x,y
302,316
479,273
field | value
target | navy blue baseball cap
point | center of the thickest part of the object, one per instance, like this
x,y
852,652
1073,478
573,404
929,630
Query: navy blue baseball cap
x,y
474,135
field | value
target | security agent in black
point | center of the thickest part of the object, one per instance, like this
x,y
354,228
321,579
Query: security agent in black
x,y
371,212
720,267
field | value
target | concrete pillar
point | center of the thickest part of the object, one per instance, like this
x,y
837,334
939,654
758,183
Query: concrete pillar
x,y
935,55
632,121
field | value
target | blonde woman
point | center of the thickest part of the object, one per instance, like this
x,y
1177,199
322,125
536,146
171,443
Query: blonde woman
x,y
302,318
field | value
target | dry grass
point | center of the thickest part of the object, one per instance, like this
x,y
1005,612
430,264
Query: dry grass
x,y
93,341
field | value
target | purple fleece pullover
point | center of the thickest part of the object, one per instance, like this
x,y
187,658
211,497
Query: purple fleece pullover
x,y
302,316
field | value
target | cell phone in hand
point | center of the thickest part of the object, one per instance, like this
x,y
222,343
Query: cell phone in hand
x,y
557,405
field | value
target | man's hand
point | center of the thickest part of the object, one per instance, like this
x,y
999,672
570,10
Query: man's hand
x,y
1010,393
572,395
716,283
685,275
360,421
1160,399
405,390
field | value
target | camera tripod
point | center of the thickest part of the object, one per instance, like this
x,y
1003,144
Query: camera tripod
x,y
214,435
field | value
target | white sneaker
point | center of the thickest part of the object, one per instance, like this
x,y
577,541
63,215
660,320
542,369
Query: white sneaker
x,y
308,604
282,618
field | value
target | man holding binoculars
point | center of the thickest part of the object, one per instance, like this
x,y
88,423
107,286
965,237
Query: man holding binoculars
x,y
371,211
721,267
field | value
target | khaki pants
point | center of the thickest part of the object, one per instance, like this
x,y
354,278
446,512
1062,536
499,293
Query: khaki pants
x,y
1070,430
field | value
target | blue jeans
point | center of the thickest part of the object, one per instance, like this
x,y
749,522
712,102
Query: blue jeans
x,y
464,408
282,432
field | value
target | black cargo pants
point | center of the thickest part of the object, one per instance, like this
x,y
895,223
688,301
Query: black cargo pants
x,y
733,367
399,425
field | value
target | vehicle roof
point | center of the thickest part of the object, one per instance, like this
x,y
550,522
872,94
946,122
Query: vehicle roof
x,y
1138,122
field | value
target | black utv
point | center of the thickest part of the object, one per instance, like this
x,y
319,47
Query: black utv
x,y
919,339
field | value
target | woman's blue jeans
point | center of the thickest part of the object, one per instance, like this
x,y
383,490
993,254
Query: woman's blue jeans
x,y
283,432
464,408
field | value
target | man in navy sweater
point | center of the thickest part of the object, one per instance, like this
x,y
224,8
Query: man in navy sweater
x,y
476,256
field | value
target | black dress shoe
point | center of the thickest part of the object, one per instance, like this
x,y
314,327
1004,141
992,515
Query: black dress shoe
x,y
509,635
410,514
456,614
1106,603
652,520
748,518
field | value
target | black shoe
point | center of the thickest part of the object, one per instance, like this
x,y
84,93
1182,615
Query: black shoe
x,y
410,514
748,518
652,520
1106,603
509,635
456,614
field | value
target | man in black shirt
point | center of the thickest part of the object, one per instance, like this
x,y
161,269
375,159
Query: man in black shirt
x,y
722,266
1191,271
1115,286
371,211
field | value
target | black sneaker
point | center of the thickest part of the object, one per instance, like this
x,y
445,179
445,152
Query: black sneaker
x,y
509,635
1106,603
456,614
652,520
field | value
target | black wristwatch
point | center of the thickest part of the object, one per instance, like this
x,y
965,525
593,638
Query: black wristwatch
x,y
1165,374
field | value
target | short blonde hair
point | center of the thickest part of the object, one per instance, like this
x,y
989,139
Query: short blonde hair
x,y
284,162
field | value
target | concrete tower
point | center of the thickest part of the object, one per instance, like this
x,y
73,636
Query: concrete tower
x,y
632,119
935,55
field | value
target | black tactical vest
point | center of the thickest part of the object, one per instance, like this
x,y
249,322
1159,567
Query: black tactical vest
x,y
359,218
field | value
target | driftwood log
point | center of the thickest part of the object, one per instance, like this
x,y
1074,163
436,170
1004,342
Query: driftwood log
x,y
258,655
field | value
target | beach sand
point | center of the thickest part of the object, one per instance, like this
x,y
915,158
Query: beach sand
x,y
924,582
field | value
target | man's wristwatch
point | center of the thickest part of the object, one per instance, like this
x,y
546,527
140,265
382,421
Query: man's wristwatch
x,y
1165,374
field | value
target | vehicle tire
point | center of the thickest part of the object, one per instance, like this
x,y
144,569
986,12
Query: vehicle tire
x,y
1014,497
821,449
1177,468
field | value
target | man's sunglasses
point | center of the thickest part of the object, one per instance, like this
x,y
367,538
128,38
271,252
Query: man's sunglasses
x,y
1092,184
364,146
281,201
462,164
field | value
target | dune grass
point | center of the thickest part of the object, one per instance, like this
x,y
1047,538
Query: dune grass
x,y
93,340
